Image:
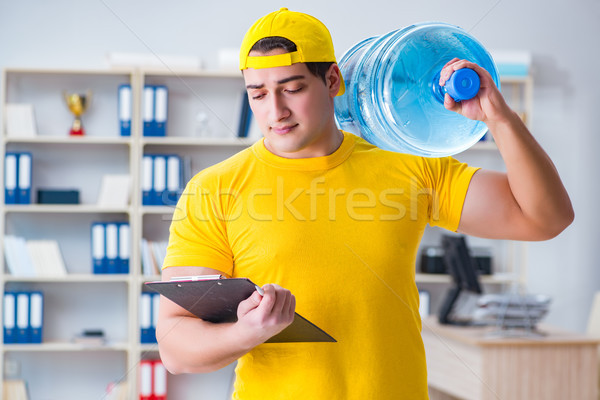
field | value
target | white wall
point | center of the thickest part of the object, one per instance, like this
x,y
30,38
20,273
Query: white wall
x,y
563,37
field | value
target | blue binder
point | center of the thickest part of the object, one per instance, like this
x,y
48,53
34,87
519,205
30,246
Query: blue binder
x,y
22,314
9,316
112,247
245,117
125,109
161,101
124,248
98,244
24,178
159,183
174,179
147,335
148,110
11,167
36,316
147,179
162,179
154,319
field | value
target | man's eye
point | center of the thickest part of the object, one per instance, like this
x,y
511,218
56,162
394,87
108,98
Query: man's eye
x,y
257,96
293,90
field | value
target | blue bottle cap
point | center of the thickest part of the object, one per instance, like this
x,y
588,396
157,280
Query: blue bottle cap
x,y
463,84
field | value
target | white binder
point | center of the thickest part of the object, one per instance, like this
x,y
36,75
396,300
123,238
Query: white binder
x,y
148,110
112,247
99,248
160,178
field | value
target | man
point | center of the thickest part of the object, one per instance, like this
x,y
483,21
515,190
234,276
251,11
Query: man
x,y
330,225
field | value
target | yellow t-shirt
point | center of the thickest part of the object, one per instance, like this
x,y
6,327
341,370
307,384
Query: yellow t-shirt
x,y
341,232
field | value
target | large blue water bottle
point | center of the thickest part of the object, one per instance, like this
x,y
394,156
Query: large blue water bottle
x,y
393,98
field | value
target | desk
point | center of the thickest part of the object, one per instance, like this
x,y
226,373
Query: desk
x,y
469,363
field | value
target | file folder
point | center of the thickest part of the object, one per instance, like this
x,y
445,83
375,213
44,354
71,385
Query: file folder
x,y
124,248
112,247
159,380
36,316
160,180
154,319
148,110
9,318
146,335
147,179
98,248
161,96
24,179
146,380
23,328
174,179
216,300
125,109
245,117
10,178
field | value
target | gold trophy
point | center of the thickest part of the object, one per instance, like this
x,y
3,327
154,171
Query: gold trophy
x,y
78,104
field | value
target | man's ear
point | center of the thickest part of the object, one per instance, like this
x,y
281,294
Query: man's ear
x,y
333,79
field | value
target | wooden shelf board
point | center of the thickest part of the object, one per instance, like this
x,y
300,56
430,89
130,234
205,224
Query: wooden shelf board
x,y
64,208
196,141
78,278
499,278
63,347
85,140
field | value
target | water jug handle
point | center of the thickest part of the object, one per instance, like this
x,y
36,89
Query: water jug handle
x,y
463,84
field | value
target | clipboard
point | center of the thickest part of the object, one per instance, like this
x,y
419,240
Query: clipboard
x,y
216,300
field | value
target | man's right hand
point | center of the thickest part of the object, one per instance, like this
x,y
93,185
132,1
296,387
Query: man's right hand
x,y
262,317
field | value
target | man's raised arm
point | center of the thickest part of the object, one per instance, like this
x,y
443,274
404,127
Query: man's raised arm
x,y
529,201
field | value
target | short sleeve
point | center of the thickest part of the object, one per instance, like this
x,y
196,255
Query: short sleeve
x,y
198,236
449,180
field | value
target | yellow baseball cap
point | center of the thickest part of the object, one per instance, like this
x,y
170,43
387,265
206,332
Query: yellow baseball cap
x,y
311,37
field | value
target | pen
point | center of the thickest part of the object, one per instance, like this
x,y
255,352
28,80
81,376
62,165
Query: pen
x,y
259,290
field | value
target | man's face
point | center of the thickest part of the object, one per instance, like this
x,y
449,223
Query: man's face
x,y
294,109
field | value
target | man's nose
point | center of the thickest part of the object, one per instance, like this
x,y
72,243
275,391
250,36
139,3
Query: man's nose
x,y
279,108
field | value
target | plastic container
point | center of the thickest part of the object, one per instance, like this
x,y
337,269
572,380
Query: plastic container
x,y
393,98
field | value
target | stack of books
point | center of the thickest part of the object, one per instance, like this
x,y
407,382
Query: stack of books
x,y
33,258
153,255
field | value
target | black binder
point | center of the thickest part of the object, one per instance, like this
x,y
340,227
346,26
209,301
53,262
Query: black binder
x,y
216,300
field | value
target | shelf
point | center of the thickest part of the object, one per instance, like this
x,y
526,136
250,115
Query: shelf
x,y
150,278
196,141
69,72
65,162
77,278
149,347
486,279
194,73
158,210
64,209
47,139
64,347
